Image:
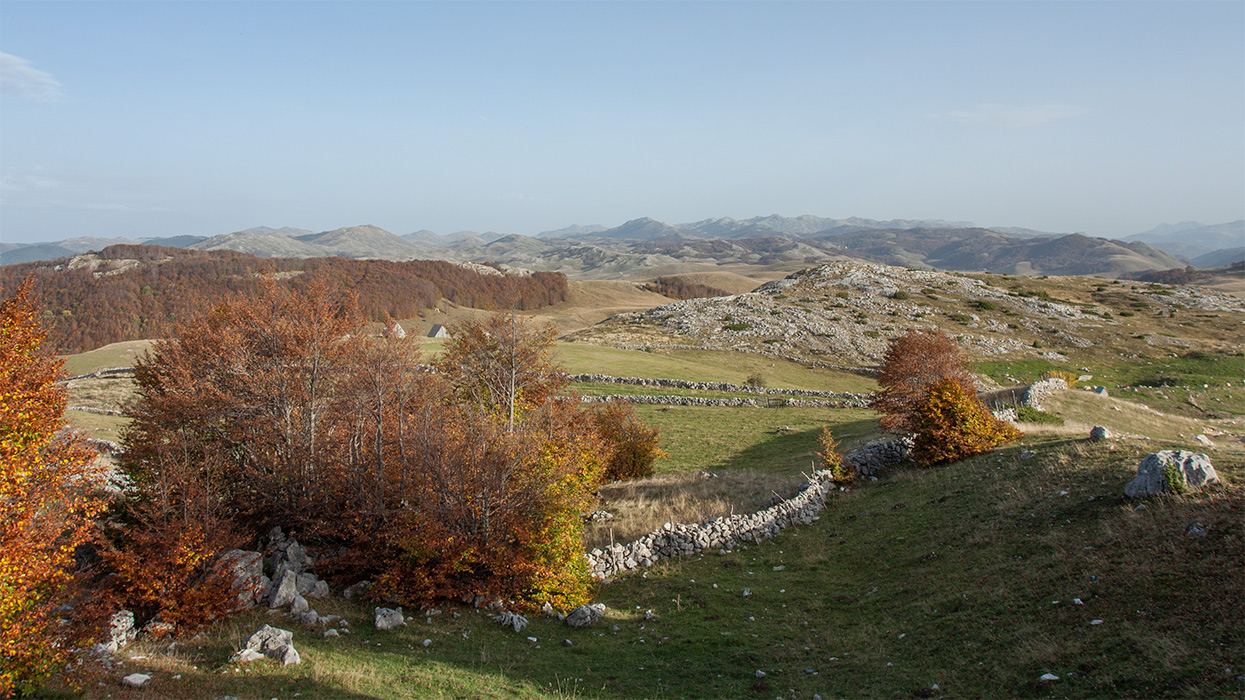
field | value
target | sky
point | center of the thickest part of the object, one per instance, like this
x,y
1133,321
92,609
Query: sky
x,y
144,119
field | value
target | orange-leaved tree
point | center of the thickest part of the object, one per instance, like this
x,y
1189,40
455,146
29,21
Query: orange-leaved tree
x,y
635,445
954,424
913,363
47,501
502,364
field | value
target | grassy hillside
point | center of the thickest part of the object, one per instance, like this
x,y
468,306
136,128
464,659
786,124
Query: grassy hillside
x,y
961,581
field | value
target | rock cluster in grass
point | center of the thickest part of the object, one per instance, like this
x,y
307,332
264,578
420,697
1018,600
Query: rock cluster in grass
x,y
1171,471
702,401
271,642
716,386
726,532
1041,390
880,455
292,579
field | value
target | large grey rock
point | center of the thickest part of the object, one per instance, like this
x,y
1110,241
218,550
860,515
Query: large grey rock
x,y
320,590
388,618
1100,433
306,582
287,655
585,615
284,590
299,605
268,638
245,571
1171,470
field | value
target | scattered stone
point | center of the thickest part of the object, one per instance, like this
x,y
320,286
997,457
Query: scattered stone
x,y
597,515
225,697
1203,441
567,642
1100,433
548,611
331,634
509,619
246,656
1101,391
1196,529
1171,471
272,642
310,617
1095,622
356,590
427,642
649,615
388,618
1028,454
760,674
1049,677
136,680
585,615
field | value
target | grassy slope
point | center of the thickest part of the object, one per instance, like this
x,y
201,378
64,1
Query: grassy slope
x,y
962,576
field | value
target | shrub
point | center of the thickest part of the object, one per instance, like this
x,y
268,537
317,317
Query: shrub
x,y
913,363
901,295
736,326
959,317
1029,414
832,458
955,424
634,446
755,380
1065,375
983,305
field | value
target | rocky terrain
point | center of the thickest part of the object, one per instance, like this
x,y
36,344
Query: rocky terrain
x,y
845,312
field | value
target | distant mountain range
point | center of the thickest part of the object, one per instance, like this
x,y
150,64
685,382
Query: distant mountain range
x,y
647,247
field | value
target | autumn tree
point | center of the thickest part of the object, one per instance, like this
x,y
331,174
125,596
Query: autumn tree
x,y
914,362
634,445
502,364
955,424
47,505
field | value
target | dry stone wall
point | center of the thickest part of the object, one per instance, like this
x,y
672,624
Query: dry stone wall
x,y
716,386
702,401
722,533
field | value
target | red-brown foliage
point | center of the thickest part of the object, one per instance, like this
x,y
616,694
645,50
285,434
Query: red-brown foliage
x,y
47,503
913,363
144,291
955,424
280,413
634,445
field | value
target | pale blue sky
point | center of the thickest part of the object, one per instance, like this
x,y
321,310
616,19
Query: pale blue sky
x,y
169,118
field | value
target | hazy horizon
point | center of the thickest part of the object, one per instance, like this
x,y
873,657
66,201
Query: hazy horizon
x,y
164,119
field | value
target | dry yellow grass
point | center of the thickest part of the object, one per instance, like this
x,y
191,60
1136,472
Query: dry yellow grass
x,y
644,505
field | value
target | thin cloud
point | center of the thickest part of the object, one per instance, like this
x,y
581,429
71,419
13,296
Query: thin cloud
x,y
1005,117
19,79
